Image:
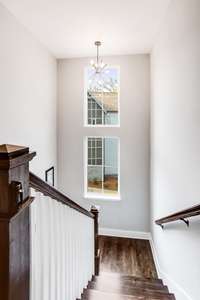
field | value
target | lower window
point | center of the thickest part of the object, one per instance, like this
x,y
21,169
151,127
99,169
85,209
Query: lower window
x,y
102,167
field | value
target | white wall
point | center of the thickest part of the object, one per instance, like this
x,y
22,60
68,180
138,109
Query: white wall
x,y
175,164
132,212
27,92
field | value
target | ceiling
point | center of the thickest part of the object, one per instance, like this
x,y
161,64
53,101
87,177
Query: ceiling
x,y
68,28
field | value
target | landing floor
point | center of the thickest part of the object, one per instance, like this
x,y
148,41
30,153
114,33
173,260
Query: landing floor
x,y
126,256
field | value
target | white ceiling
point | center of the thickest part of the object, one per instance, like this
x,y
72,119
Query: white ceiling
x,y
68,28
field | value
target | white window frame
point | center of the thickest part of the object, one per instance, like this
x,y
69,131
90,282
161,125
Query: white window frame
x,y
100,196
85,108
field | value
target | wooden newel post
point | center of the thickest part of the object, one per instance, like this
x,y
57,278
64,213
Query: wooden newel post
x,y
14,222
95,212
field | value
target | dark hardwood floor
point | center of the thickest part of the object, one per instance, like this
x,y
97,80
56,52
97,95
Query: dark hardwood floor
x,y
127,272
126,257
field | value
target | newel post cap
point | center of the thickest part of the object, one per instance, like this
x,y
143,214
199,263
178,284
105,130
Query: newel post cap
x,y
94,209
10,151
13,155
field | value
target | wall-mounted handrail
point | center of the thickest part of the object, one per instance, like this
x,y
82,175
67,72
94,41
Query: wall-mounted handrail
x,y
43,187
181,215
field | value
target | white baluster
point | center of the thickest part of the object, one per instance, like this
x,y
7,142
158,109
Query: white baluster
x,y
62,250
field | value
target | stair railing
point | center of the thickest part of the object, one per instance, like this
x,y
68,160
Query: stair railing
x,y
182,215
48,243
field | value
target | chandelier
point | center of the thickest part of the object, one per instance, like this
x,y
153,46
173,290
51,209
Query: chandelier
x,y
99,65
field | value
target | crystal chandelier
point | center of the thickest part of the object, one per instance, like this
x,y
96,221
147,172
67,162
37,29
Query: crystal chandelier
x,y
99,65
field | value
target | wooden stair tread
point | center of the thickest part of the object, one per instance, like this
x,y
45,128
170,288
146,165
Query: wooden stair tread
x,y
126,290
106,276
96,295
99,295
132,292
114,282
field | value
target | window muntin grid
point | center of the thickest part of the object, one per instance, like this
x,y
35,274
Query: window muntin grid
x,y
95,113
95,154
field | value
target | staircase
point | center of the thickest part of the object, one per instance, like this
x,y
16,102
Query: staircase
x,y
110,286
49,244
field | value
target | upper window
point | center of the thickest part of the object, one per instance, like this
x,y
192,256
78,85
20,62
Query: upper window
x,y
102,97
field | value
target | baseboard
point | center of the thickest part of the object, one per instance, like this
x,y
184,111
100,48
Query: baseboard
x,y
174,288
125,233
155,258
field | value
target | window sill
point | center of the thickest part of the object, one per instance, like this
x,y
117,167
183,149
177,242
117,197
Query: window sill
x,y
102,126
102,197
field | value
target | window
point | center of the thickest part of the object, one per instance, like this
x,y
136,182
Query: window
x,y
102,167
102,97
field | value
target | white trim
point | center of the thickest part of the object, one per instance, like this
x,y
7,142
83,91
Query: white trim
x,y
102,197
101,126
155,257
125,233
175,288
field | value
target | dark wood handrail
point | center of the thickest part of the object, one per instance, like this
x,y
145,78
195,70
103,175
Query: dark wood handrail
x,y
42,186
181,215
